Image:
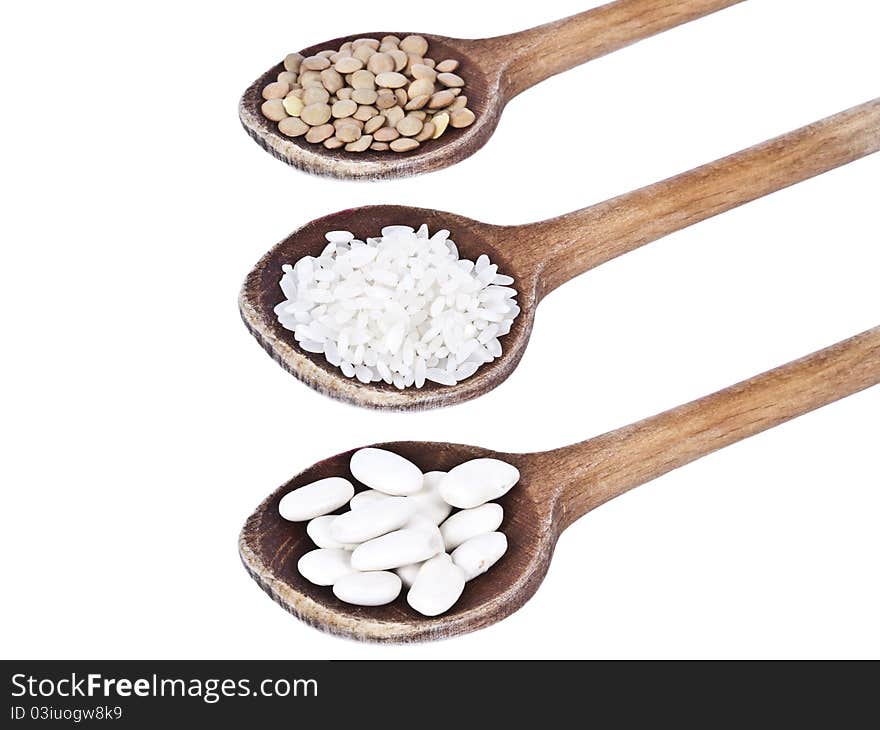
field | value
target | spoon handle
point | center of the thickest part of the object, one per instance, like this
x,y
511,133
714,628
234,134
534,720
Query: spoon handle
x,y
602,468
565,247
541,52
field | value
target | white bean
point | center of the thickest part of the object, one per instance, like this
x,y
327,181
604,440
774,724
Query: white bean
x,y
426,526
401,547
477,555
468,523
375,588
372,520
478,481
368,496
386,471
319,530
324,567
407,573
428,500
437,587
315,499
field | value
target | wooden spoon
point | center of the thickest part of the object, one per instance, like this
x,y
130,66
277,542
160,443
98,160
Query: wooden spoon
x,y
555,489
541,256
494,69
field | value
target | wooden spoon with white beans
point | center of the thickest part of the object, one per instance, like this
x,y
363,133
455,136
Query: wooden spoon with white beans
x,y
494,71
542,256
555,489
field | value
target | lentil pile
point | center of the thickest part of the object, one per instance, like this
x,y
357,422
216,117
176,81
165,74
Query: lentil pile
x,y
369,94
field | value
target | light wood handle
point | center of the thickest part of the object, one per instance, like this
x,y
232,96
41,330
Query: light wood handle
x,y
565,247
550,49
602,468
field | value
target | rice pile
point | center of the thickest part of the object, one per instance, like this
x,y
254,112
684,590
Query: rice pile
x,y
402,308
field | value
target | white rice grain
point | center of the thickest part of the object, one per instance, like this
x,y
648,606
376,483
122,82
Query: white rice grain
x,y
400,308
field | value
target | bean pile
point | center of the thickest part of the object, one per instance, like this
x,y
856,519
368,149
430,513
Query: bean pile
x,y
387,95
402,523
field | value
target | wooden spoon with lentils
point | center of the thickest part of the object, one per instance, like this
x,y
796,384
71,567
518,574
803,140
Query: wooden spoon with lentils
x,y
384,105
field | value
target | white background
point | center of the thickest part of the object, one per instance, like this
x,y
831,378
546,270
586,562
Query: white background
x,y
142,424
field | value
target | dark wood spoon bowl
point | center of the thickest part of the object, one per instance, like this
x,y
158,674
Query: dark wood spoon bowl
x,y
271,546
495,70
452,147
555,489
542,256
260,294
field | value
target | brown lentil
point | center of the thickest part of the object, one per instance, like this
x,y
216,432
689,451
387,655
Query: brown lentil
x,y
441,99
394,115
365,113
348,132
292,62
363,79
386,134
360,144
288,77
293,105
400,59
319,134
373,124
368,94
315,95
421,71
343,108
409,126
315,114
447,66
364,96
348,65
276,90
450,80
273,109
441,121
332,80
380,63
461,118
404,144
293,127
414,44
426,133
417,102
390,80
385,99
420,87
316,63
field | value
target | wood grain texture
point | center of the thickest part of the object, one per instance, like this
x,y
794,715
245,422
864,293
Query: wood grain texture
x,y
555,488
542,256
580,241
534,55
495,70
595,471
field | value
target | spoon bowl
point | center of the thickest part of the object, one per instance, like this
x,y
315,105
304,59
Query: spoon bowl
x,y
271,547
555,489
542,256
494,69
484,99
260,294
